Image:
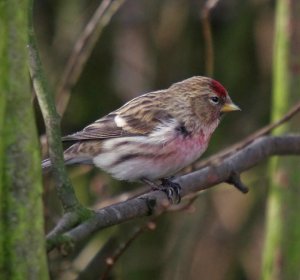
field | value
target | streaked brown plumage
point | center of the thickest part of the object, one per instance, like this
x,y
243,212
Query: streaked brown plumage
x,y
153,135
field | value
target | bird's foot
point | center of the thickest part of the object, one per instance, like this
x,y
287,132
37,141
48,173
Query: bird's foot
x,y
172,190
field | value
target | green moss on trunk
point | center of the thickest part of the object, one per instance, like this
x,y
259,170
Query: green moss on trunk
x,y
282,239
22,252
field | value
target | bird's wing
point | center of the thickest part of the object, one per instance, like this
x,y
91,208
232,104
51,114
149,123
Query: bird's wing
x,y
123,123
103,128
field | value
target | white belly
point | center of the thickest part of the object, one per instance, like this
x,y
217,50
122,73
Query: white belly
x,y
144,157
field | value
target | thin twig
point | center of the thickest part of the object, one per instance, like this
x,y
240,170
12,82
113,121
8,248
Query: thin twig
x,y
111,261
96,267
121,197
82,50
208,41
216,158
149,225
52,122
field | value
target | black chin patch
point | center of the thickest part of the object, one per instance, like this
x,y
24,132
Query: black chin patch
x,y
222,114
181,129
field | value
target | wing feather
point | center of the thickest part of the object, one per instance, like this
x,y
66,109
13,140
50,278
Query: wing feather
x,y
101,129
137,117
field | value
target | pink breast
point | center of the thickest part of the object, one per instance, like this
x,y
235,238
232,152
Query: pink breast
x,y
182,151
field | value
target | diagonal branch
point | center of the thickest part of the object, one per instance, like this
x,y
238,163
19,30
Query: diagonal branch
x,y
82,50
155,201
52,122
207,34
258,133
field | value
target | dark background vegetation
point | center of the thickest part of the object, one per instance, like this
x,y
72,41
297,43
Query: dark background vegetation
x,y
147,46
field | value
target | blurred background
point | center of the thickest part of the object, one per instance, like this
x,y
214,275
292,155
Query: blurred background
x,y
149,45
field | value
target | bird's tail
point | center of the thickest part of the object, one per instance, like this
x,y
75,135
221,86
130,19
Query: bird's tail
x,y
70,157
46,164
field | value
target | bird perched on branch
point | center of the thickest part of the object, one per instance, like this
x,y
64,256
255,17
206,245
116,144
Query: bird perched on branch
x,y
154,135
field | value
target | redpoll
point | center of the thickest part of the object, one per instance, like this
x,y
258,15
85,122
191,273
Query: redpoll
x,y
154,135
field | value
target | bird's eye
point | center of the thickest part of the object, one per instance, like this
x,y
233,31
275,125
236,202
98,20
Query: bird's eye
x,y
215,99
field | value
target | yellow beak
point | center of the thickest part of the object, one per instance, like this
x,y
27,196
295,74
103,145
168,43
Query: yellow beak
x,y
229,107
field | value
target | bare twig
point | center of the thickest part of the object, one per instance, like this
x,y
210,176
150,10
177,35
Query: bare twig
x,y
97,265
121,197
154,202
259,133
111,260
209,48
68,221
149,225
52,123
82,50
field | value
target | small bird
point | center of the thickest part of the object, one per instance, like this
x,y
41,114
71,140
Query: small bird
x,y
154,135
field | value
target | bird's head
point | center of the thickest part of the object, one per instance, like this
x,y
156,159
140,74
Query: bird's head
x,y
208,98
219,98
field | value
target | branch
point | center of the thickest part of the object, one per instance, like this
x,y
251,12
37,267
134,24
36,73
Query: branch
x,y
154,202
52,122
235,180
111,260
259,133
97,266
207,34
82,50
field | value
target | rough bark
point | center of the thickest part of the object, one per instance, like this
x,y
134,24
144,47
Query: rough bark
x,y
22,245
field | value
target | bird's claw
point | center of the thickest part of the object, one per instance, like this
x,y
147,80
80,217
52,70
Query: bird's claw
x,y
172,190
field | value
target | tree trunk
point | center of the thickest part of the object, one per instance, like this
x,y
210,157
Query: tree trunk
x,y
282,238
22,244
